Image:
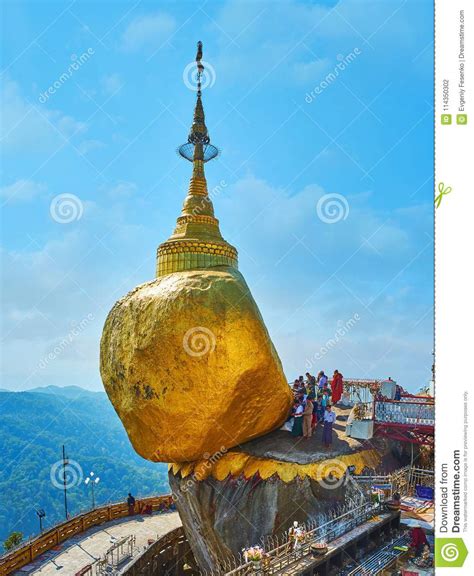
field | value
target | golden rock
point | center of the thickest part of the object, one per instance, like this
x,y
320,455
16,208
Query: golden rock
x,y
186,359
188,364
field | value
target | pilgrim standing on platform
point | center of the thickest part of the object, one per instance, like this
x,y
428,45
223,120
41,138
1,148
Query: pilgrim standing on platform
x,y
131,504
398,393
329,419
311,383
307,418
322,379
298,421
326,392
314,419
320,407
337,387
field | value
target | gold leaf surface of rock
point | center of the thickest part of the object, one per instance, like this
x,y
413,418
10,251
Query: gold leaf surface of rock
x,y
189,366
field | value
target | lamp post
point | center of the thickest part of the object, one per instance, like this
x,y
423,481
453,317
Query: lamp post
x,y
93,481
65,463
41,514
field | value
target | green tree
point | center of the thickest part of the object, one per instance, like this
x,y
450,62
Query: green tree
x,y
95,439
13,540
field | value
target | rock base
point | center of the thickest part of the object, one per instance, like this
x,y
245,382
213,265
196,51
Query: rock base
x,y
245,496
220,518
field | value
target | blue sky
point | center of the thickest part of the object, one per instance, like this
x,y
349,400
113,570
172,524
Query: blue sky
x,y
108,135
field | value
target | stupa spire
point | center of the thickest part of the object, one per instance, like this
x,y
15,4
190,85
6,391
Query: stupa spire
x,y
198,134
196,242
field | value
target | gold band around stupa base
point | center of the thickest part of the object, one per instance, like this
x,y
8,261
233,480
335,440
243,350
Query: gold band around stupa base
x,y
239,464
197,218
177,256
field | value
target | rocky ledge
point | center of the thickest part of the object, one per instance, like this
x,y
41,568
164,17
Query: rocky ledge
x,y
234,499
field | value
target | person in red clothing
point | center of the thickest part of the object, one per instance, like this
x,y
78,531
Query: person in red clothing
x,y
336,387
418,539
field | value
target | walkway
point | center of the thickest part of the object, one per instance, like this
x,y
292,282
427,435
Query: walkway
x,y
86,548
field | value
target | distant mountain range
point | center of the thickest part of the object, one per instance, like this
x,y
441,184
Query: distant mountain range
x,y
66,391
33,427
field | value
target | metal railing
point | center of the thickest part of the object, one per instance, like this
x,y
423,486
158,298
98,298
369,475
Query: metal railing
x,y
406,480
407,412
27,551
403,481
172,547
369,483
360,390
378,561
285,554
117,554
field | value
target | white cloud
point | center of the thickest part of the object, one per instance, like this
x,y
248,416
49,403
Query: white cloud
x,y
88,145
28,125
308,276
38,318
22,191
344,19
312,71
51,287
261,209
111,83
148,31
122,190
287,28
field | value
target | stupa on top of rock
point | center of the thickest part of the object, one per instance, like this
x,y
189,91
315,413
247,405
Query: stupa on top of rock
x,y
186,358
197,241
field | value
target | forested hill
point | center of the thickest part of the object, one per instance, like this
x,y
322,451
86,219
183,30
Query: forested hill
x,y
33,427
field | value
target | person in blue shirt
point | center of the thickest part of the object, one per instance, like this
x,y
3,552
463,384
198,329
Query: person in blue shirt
x,y
329,419
322,379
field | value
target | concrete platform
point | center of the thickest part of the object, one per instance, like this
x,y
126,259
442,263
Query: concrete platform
x,y
281,445
86,548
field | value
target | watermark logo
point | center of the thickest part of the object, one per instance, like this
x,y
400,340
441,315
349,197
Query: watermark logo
x,y
66,208
342,330
190,78
343,63
201,471
450,552
76,63
333,474
206,201
332,208
65,342
199,341
66,475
